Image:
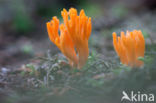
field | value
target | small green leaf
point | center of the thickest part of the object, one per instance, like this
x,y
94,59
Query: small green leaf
x,y
141,59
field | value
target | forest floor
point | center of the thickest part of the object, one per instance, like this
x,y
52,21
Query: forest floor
x,y
34,70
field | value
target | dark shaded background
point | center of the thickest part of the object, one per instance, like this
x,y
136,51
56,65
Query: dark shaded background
x,y
23,23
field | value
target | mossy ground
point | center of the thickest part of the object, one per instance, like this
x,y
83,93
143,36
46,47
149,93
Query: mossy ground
x,y
52,80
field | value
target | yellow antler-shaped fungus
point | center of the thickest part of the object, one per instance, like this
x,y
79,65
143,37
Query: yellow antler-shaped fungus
x,y
74,35
129,47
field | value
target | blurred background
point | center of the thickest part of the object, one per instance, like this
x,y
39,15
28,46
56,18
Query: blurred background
x,y
23,33
24,37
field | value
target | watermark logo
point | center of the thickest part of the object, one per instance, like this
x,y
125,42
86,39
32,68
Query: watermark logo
x,y
137,97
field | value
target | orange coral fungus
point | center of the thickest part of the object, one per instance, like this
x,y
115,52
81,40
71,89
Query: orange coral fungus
x,y
74,35
129,47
